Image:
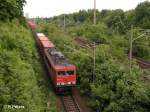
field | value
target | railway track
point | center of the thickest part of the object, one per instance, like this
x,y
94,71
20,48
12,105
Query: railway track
x,y
84,43
70,104
142,63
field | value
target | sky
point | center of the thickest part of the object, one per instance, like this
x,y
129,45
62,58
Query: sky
x,y
50,8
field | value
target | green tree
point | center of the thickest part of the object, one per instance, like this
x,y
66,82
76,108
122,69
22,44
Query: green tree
x,y
11,9
142,17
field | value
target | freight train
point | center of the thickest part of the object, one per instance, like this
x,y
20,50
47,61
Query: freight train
x,y
61,72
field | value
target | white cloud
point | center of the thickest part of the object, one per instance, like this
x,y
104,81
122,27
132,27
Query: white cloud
x,y
48,8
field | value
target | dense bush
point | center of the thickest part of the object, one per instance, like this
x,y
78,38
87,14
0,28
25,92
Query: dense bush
x,y
142,17
116,90
11,9
22,79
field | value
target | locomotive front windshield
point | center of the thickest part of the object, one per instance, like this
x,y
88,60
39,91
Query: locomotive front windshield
x,y
65,73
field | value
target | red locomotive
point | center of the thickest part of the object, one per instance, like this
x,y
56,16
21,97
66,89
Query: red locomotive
x,y
32,25
62,73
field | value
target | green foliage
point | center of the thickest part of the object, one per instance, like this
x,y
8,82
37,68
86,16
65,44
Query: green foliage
x,y
116,21
22,79
11,9
142,17
97,33
116,90
142,51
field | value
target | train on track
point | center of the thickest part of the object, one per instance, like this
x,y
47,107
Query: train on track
x,y
61,72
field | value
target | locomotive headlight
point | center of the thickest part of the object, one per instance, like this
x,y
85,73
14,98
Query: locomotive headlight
x,y
69,82
58,83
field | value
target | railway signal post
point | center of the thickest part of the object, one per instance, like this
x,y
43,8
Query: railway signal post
x,y
93,60
130,55
64,21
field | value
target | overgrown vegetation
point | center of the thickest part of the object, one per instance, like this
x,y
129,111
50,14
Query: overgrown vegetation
x,y
112,88
12,9
23,83
22,78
